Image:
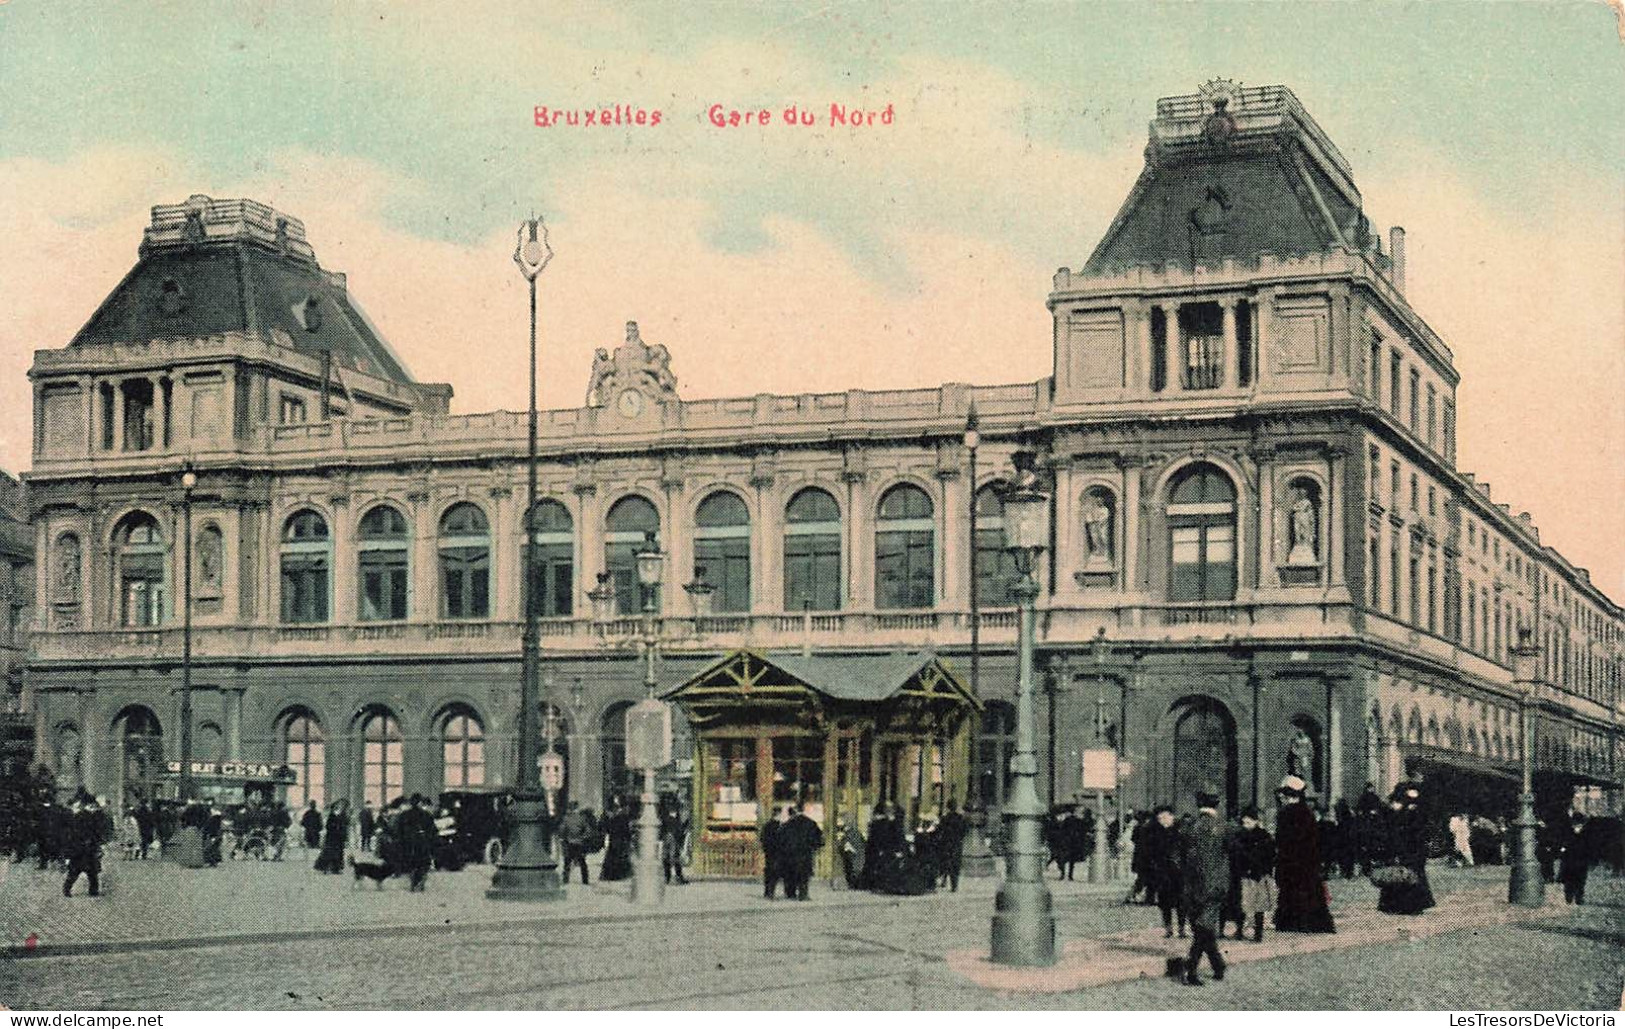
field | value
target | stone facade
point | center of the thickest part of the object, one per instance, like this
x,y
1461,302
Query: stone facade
x,y
1264,556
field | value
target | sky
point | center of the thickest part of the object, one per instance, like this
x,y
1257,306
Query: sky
x,y
800,259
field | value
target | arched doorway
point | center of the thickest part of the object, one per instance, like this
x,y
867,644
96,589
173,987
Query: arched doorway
x,y
141,738
1204,752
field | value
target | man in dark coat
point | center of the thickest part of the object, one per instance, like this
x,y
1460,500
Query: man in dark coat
x,y
1205,879
773,864
417,833
673,834
367,821
1369,813
311,823
86,834
1574,859
950,845
53,832
575,834
1160,845
800,839
1301,901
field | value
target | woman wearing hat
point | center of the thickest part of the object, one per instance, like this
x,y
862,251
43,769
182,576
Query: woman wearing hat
x,y
1302,902
1402,877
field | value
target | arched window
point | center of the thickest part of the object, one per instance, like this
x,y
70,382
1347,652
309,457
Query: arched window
x,y
141,573
465,563
381,754
625,528
1202,536
618,779
462,745
812,552
995,746
552,559
722,550
304,749
905,549
382,542
142,738
307,556
995,566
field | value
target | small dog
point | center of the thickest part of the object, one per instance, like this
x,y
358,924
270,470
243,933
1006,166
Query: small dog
x,y
377,871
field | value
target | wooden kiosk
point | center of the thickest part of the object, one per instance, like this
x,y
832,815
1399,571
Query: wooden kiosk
x,y
833,734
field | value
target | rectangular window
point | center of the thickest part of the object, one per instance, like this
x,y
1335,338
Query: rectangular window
x,y
730,773
1202,561
1416,590
1433,596
1415,496
1393,576
995,569
1472,619
383,585
1159,350
1376,369
552,578
904,572
1433,502
1393,482
1393,383
466,582
291,411
1416,401
1449,430
1433,418
1376,570
726,562
304,588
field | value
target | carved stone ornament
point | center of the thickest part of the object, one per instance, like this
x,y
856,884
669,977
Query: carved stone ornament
x,y
636,373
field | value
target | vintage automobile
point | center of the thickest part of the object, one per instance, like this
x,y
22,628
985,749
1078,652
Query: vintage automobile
x,y
479,827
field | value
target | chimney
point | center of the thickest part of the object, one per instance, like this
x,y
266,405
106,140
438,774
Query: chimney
x,y
1396,248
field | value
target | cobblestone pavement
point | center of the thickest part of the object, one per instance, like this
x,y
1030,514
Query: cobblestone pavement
x,y
718,945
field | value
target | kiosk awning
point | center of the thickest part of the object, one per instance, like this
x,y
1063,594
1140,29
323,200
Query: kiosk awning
x,y
747,678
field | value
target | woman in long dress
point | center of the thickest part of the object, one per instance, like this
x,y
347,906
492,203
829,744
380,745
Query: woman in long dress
x,y
331,859
1300,890
618,842
1402,877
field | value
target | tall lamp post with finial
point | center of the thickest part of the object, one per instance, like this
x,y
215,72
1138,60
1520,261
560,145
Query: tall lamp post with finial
x,y
1525,886
527,870
1023,917
188,484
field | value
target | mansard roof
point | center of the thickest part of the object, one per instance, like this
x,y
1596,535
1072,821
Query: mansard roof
x,y
210,267
1234,172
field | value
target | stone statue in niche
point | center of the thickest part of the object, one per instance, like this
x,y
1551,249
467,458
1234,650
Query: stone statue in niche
x,y
67,570
1097,529
208,562
1300,758
1302,524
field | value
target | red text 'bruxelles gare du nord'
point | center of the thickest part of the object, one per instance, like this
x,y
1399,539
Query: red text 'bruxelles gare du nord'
x,y
718,115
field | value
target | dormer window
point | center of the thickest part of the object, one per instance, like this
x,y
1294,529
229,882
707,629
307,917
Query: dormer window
x,y
310,314
171,299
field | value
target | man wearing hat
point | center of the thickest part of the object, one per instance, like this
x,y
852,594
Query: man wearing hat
x,y
416,831
1301,903
1205,870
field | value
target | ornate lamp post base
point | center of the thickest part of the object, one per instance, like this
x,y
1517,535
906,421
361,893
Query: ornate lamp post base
x,y
527,870
1526,887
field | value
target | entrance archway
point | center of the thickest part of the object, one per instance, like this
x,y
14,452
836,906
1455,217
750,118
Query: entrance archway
x,y
1204,752
141,769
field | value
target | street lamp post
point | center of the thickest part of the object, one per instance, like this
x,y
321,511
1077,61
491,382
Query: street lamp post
x,y
1098,865
188,484
527,870
648,885
978,856
1526,886
1023,917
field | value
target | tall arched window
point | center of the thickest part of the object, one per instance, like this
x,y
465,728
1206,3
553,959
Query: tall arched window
x,y
995,746
905,549
382,542
552,559
995,566
381,756
304,749
812,552
141,575
462,746
722,550
465,563
307,556
1202,536
625,528
618,779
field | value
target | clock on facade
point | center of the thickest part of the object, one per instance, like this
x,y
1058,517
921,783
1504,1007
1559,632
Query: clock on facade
x,y
630,403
